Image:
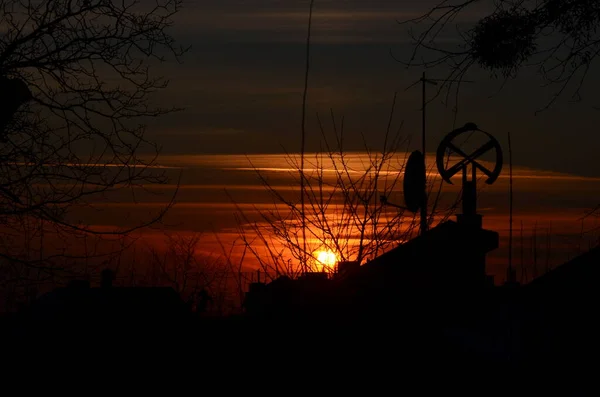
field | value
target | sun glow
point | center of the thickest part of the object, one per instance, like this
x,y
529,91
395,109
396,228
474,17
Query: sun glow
x,y
326,258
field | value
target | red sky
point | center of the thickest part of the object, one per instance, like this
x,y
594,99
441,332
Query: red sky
x,y
214,188
242,84
241,87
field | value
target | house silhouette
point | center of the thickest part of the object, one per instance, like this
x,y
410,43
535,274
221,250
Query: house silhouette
x,y
447,259
429,297
81,311
561,308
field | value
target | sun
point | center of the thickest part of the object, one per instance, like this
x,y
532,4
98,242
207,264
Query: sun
x,y
326,258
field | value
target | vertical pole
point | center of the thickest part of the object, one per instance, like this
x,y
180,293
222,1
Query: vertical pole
x,y
304,263
534,252
465,192
523,270
511,275
424,202
548,247
469,197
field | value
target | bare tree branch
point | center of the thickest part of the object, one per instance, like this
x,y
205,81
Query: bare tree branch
x,y
88,68
559,38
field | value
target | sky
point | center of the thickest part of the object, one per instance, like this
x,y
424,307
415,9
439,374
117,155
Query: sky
x,y
221,194
241,85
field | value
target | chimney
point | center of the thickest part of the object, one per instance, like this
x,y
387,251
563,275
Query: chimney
x,y
107,278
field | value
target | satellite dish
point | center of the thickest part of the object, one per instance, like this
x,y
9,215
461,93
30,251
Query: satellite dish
x,y
414,181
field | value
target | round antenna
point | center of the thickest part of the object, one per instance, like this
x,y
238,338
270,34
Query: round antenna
x,y
414,181
469,159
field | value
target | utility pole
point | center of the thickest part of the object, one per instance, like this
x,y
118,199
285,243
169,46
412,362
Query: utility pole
x,y
511,276
424,80
424,204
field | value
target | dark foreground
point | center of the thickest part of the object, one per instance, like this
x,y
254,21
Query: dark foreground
x,y
500,328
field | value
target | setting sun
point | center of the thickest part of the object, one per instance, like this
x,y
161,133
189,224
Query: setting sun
x,y
326,258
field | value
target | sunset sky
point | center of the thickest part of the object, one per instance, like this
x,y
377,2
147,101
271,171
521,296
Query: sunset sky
x,y
241,87
241,84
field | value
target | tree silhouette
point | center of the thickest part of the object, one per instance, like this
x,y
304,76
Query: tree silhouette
x,y
76,78
344,211
560,38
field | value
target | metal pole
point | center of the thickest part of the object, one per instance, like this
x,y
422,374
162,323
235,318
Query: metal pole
x,y
304,263
424,203
511,276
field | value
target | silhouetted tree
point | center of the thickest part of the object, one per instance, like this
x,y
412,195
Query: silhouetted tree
x,y
558,37
340,211
80,78
193,274
343,211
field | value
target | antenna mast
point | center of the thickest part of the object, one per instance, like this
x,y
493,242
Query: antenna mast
x,y
424,222
424,204
424,80
511,276
304,263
